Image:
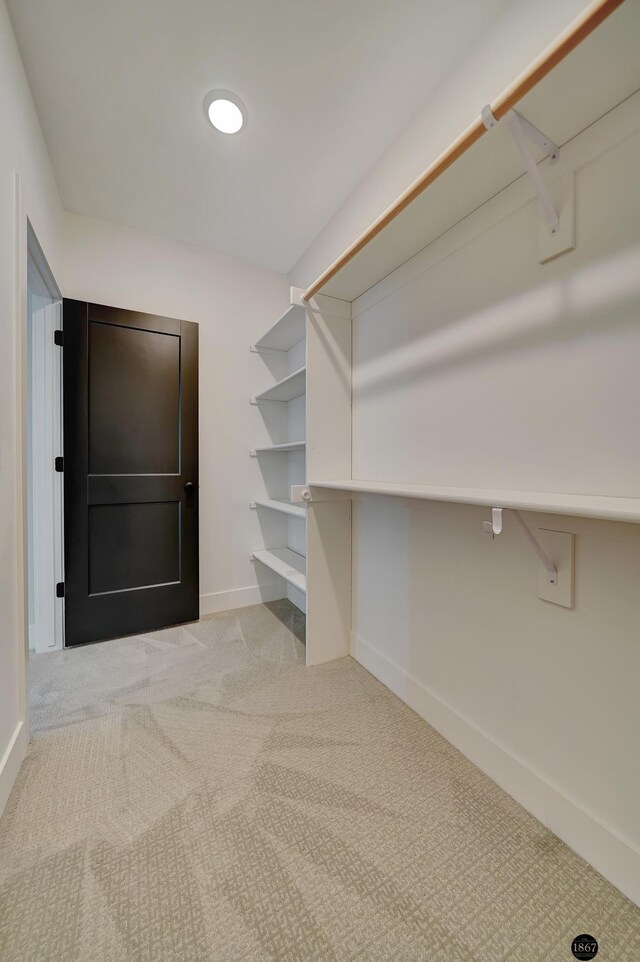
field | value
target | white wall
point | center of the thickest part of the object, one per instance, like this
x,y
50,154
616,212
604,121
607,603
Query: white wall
x,y
23,153
233,304
486,369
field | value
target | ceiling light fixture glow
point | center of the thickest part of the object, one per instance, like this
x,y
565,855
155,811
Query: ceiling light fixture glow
x,y
225,111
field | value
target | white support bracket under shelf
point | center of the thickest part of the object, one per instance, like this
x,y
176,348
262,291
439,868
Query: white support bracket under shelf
x,y
494,527
522,131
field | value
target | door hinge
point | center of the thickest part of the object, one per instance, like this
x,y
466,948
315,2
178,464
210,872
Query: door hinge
x,y
60,589
58,338
59,465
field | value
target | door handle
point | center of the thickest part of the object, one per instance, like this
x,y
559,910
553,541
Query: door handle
x,y
189,487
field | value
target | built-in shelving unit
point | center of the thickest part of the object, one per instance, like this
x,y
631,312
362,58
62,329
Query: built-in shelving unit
x,y
580,95
579,505
287,563
282,522
287,389
475,368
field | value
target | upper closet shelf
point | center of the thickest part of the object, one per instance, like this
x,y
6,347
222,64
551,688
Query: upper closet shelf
x,y
560,96
580,505
288,331
287,389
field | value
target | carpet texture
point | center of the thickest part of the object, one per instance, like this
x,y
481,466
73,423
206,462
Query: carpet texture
x,y
198,795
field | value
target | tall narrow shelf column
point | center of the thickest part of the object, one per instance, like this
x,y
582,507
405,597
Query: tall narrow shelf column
x,y
280,457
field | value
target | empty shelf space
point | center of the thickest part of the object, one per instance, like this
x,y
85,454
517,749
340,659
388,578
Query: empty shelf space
x,y
287,331
287,389
579,505
282,505
287,563
280,448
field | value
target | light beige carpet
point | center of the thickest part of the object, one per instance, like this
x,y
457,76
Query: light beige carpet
x,y
197,794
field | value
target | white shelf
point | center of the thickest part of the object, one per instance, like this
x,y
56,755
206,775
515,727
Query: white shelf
x,y
287,389
580,505
599,74
282,505
280,448
287,331
287,563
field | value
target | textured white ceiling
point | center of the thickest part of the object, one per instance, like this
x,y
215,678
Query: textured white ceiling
x,y
328,84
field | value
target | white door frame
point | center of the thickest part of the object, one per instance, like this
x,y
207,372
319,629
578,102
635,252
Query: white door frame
x,y
44,444
24,208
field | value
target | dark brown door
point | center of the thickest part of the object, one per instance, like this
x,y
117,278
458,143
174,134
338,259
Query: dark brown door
x,y
130,472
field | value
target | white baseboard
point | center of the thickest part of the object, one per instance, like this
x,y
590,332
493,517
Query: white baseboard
x,y
613,856
11,762
241,597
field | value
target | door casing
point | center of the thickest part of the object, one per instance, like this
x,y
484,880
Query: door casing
x,y
45,557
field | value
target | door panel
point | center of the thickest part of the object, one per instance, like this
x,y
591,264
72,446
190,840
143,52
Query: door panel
x,y
131,447
134,401
144,537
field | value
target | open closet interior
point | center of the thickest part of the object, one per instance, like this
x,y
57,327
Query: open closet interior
x,y
322,326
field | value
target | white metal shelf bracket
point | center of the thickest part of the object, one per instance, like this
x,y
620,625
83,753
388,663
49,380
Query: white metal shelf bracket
x,y
494,527
522,131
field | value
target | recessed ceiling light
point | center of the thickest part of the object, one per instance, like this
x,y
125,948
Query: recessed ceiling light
x,y
225,111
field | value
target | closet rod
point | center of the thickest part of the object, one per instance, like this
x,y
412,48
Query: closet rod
x,y
584,25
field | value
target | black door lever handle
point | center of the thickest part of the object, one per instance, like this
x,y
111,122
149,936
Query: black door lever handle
x,y
189,487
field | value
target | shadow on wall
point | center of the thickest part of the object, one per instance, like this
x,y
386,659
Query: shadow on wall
x,y
605,293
